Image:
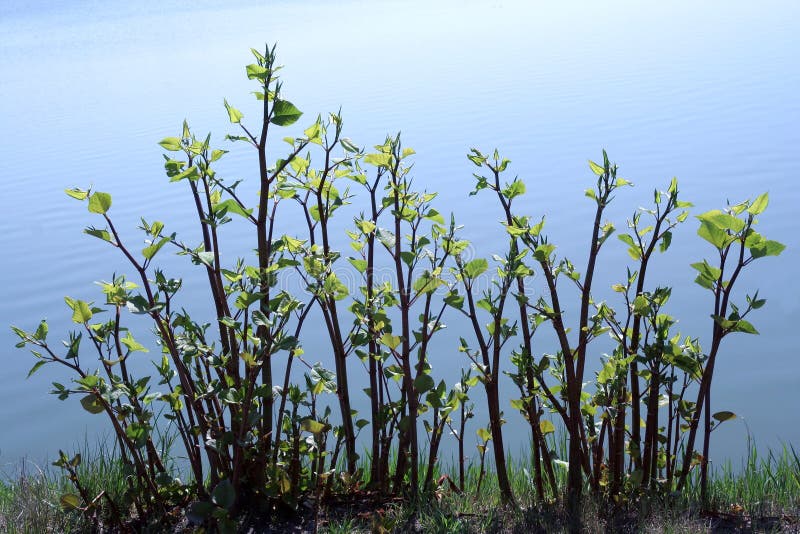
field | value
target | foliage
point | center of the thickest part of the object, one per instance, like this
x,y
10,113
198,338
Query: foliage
x,y
258,433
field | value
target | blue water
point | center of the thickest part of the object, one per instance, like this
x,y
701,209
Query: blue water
x,y
706,93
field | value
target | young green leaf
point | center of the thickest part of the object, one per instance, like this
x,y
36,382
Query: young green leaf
x,y
173,144
284,113
546,426
76,193
234,114
99,202
759,204
475,267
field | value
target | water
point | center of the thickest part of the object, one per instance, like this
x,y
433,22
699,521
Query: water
x,y
705,93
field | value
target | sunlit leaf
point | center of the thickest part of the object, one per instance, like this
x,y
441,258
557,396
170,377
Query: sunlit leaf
x,y
546,426
173,144
284,113
99,202
234,115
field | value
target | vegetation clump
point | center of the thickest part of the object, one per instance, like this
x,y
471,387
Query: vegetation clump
x,y
263,430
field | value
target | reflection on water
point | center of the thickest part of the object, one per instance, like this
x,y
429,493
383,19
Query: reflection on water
x,y
705,93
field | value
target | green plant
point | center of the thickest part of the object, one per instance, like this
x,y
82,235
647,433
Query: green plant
x,y
647,357
255,435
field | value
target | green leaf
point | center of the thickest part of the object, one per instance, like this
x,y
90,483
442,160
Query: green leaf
x,y
41,331
608,372
543,252
423,383
546,426
434,216
767,248
91,404
36,367
724,416
475,267
666,241
292,244
484,304
256,72
314,133
378,159
284,113
390,341
759,204
707,271
484,434
514,189
81,313
427,283
138,433
518,404
713,234
360,265
76,193
99,233
173,144
315,427
149,251
348,145
722,220
744,326
232,207
476,157
132,344
99,202
206,258
334,287
70,501
454,299
224,494
597,169
191,174
234,114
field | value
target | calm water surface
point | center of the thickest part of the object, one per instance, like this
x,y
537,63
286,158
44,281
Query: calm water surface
x,y
705,93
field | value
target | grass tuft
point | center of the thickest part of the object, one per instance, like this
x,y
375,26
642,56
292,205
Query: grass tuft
x,y
762,495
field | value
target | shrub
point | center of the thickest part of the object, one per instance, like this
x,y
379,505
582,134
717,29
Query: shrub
x,y
255,435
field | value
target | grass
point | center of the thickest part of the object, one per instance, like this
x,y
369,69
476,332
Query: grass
x,y
30,498
761,495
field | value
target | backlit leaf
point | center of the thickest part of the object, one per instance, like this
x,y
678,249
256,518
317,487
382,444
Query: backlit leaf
x,y
597,169
76,193
546,426
284,113
99,202
759,204
315,427
475,267
173,144
234,114
232,207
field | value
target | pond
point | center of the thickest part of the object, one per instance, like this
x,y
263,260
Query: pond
x,y
706,93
